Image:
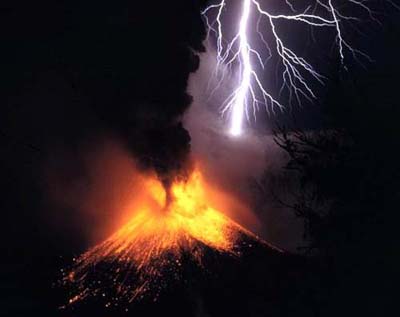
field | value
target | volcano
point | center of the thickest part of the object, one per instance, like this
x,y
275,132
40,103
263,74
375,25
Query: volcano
x,y
174,241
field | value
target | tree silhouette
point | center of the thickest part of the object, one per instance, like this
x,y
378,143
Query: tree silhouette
x,y
347,189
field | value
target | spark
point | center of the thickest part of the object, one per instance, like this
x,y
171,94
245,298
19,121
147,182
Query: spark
x,y
296,71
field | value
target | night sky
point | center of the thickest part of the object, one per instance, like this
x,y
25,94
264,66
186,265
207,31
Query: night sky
x,y
75,71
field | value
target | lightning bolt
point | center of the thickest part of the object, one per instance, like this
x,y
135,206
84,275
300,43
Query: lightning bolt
x,y
250,92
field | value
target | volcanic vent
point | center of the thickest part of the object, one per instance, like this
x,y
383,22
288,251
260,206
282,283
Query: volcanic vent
x,y
150,249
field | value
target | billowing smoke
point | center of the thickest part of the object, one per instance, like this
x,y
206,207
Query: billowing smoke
x,y
249,166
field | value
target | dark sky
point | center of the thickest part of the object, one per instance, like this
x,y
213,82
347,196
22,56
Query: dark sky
x,y
74,70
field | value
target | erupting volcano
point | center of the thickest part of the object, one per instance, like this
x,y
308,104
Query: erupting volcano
x,y
166,227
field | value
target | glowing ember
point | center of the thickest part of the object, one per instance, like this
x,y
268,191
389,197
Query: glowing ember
x,y
136,258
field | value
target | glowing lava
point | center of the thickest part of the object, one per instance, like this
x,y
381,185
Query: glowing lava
x,y
137,257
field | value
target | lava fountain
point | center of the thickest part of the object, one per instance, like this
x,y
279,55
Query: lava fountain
x,y
137,259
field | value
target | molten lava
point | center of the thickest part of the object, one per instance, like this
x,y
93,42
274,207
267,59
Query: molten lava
x,y
136,258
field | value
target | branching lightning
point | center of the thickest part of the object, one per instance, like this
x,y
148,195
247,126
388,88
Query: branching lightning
x,y
250,91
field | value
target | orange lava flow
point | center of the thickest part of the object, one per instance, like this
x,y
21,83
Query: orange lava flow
x,y
152,243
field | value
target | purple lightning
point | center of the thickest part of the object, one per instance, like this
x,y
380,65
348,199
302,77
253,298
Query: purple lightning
x,y
250,92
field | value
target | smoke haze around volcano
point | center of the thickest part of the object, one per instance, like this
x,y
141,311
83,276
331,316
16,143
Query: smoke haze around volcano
x,y
239,165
